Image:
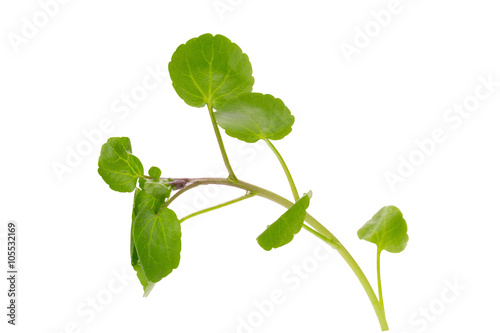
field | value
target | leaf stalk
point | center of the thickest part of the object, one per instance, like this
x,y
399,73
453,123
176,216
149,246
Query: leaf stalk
x,y
285,169
221,143
379,279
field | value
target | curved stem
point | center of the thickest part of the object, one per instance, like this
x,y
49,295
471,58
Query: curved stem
x,y
381,299
285,168
379,311
321,231
194,182
221,144
188,184
224,204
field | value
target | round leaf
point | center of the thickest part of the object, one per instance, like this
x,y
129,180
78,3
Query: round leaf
x,y
154,172
254,116
209,70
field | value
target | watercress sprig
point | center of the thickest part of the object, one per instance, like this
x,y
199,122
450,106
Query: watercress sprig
x,y
212,71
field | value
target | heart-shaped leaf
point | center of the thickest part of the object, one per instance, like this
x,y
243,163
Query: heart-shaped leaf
x,y
209,70
157,239
289,224
118,167
254,116
387,229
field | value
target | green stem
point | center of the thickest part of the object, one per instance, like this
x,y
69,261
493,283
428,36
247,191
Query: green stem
x,y
379,251
320,231
221,144
320,236
258,191
285,168
189,185
209,209
379,311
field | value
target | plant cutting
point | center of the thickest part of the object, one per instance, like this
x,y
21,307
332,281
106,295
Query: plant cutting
x,y
211,71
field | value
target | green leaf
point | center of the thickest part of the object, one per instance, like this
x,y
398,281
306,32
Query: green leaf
x,y
158,188
141,200
157,239
387,229
118,167
154,172
282,231
142,181
254,116
209,70
146,284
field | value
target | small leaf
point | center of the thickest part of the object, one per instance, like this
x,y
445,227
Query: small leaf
x,y
118,167
157,239
143,199
254,116
387,229
154,172
159,188
209,70
282,231
146,284
142,181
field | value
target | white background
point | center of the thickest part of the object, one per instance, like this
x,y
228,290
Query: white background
x,y
354,120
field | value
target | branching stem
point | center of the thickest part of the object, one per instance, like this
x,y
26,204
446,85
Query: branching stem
x,y
319,231
224,204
